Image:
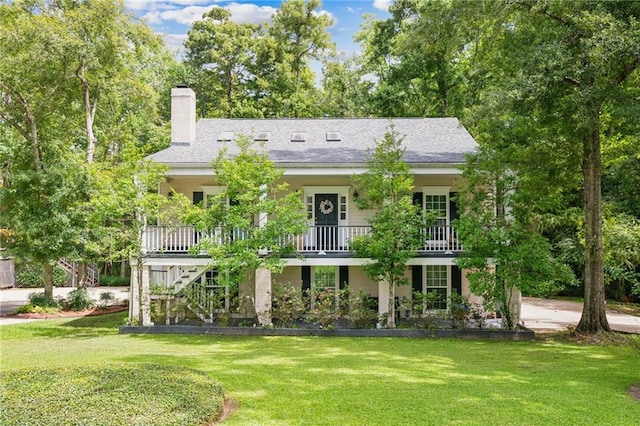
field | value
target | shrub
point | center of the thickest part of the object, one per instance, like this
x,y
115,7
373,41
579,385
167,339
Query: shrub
x,y
43,301
78,299
323,311
29,275
287,304
361,311
106,298
114,281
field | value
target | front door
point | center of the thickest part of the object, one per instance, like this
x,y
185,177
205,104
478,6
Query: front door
x,y
327,207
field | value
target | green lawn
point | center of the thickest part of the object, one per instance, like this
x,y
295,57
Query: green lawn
x,y
358,381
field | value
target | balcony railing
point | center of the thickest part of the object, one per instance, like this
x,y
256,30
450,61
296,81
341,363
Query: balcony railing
x,y
318,239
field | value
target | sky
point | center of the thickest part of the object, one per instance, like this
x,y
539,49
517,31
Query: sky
x,y
173,18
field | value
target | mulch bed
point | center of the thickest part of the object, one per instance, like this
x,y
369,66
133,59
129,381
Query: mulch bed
x,y
71,314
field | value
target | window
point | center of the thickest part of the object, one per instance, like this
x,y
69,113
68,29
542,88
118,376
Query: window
x,y
437,284
437,204
325,285
324,277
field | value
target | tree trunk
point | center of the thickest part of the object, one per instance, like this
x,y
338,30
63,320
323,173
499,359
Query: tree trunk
x,y
48,279
594,318
391,317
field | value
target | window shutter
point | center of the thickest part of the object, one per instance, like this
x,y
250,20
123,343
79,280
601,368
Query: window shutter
x,y
416,278
306,278
456,279
344,276
417,199
453,206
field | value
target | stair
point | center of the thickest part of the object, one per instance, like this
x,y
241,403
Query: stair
x,y
92,273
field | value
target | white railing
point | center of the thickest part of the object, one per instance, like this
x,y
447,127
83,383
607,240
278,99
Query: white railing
x,y
318,239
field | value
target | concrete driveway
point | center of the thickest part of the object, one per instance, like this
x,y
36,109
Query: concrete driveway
x,y
13,298
549,315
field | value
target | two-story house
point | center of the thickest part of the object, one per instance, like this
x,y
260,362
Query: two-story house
x,y
318,157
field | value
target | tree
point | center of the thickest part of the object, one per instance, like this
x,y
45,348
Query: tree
x,y
345,91
425,56
73,74
221,52
503,248
564,67
397,225
251,223
286,82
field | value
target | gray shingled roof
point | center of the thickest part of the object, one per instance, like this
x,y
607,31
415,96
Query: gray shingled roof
x,y
427,140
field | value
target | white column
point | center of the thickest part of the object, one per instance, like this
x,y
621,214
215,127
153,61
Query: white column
x,y
263,295
516,304
134,296
145,298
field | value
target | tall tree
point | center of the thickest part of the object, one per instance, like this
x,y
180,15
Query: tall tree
x,y
297,35
397,225
565,65
221,52
73,73
425,55
503,247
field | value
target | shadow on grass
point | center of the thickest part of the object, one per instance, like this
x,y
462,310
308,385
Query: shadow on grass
x,y
80,327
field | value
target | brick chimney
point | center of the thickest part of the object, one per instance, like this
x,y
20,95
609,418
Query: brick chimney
x,y
183,115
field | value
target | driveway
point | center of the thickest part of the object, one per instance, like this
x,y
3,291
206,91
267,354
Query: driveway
x,y
13,298
549,315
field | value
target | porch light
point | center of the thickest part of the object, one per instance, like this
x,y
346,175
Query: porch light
x,y
356,196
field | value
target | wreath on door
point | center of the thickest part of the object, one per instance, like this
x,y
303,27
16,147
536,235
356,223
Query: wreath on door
x,y
326,206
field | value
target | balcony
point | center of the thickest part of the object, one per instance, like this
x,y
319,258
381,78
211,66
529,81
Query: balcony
x,y
318,239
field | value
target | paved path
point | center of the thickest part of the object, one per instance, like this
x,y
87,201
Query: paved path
x,y
549,314
13,298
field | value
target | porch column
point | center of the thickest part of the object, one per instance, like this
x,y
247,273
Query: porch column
x,y
134,295
383,297
145,298
516,304
263,295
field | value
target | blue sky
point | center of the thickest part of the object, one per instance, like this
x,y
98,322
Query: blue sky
x,y
172,18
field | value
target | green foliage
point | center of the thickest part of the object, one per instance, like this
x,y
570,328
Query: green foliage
x,y
114,281
114,394
397,224
43,300
503,248
287,305
243,239
78,299
361,312
30,275
248,70
324,309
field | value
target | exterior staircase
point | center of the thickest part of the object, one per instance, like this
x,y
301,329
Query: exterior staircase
x,y
185,284
91,276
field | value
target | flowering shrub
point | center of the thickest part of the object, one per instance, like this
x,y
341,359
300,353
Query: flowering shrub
x,y
324,310
287,305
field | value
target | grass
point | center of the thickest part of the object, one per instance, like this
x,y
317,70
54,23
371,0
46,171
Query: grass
x,y
357,381
124,394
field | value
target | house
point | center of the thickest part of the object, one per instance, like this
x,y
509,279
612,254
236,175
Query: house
x,y
318,157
